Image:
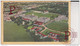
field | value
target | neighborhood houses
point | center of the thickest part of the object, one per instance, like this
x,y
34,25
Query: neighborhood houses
x,y
37,22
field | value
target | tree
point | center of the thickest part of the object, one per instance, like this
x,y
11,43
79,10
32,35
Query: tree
x,y
62,38
19,20
12,18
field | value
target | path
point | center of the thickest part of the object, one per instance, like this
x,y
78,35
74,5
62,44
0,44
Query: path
x,y
51,30
44,29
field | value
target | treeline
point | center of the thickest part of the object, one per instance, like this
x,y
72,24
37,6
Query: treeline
x,y
54,8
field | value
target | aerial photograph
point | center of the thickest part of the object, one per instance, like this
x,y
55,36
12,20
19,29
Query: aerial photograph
x,y
35,21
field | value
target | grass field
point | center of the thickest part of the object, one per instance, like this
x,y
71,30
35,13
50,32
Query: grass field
x,y
58,26
42,14
14,33
46,32
29,27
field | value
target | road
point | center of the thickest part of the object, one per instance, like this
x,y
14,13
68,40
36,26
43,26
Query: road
x,y
51,30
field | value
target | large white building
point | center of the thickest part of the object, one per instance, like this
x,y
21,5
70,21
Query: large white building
x,y
43,19
31,17
61,17
36,18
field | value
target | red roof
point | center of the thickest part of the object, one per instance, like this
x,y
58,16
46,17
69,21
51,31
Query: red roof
x,y
54,33
25,19
39,23
8,18
33,28
46,11
50,32
37,29
53,38
35,23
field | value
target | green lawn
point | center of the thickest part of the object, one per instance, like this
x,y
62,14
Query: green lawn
x,y
15,33
29,27
58,26
42,14
46,32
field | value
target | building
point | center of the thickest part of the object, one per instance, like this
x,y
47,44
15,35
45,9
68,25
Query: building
x,y
31,6
42,35
31,17
45,12
36,28
38,11
38,23
7,17
40,20
43,19
23,23
21,11
22,15
26,19
61,17
53,36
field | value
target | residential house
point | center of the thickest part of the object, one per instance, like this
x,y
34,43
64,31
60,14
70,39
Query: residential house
x,y
36,29
53,36
42,35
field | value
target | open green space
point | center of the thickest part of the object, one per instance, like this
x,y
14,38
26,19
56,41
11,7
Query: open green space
x,y
15,33
61,36
46,32
42,14
58,26
29,27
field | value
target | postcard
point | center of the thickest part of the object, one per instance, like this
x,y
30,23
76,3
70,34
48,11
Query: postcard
x,y
35,22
